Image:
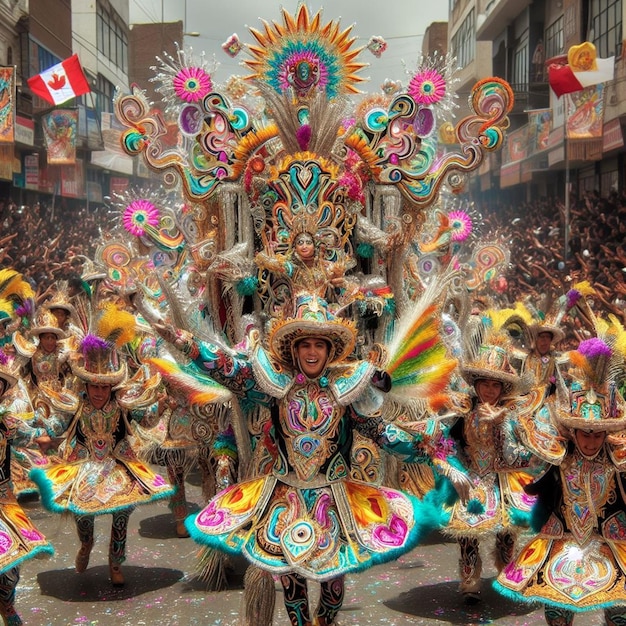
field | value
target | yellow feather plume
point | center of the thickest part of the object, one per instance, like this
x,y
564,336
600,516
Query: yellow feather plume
x,y
13,286
115,325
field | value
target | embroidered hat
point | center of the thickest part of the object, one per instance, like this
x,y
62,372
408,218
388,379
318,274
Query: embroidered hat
x,y
312,318
587,398
97,359
46,322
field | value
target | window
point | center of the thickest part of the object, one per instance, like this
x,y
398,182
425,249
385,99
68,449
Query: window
x,y
39,60
112,39
555,40
464,41
605,22
520,63
104,95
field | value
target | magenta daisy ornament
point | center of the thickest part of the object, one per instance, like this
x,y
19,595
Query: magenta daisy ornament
x,y
430,85
460,225
183,78
139,215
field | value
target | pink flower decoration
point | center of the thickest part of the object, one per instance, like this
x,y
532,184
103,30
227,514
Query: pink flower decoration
x,y
232,46
191,84
138,215
461,225
427,87
376,45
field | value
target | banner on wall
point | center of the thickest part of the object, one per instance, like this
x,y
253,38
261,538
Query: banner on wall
x,y
72,180
60,131
516,145
539,128
7,104
31,171
585,113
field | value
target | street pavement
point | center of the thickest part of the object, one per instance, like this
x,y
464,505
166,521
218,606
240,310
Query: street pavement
x,y
419,588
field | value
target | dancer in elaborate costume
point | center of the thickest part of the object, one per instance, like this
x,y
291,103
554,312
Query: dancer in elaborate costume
x,y
289,163
576,561
543,333
99,473
41,391
20,539
308,519
490,451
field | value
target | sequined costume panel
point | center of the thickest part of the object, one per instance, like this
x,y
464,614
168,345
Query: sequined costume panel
x,y
99,473
578,560
496,465
318,532
19,539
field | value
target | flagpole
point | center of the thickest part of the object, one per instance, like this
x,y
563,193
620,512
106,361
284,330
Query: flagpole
x,y
567,194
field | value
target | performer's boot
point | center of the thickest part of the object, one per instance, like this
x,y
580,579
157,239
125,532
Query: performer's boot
x,y
82,557
558,617
470,569
505,548
615,616
115,573
84,527
10,615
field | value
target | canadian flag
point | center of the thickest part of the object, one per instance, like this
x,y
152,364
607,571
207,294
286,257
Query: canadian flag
x,y
61,82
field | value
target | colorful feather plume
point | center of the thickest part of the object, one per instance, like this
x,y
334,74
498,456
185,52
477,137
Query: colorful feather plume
x,y
6,309
13,287
418,361
115,325
198,389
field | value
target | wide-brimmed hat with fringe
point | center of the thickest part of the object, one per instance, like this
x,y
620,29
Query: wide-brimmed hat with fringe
x,y
487,345
312,318
46,322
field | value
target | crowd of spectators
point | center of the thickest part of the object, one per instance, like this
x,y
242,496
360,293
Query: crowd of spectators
x,y
540,268
47,245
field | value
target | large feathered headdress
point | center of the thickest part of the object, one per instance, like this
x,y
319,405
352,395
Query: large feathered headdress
x,y
97,359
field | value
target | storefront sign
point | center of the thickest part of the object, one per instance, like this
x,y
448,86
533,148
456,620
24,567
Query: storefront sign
x,y
612,137
24,131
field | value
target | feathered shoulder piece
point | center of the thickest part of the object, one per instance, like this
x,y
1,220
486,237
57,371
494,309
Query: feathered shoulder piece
x,y
417,359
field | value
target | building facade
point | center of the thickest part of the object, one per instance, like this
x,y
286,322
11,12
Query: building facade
x,y
573,142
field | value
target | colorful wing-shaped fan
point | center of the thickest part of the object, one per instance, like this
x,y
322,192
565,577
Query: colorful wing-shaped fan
x,y
418,362
198,388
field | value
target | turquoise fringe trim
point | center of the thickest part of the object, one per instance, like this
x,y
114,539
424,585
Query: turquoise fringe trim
x,y
518,597
39,550
38,476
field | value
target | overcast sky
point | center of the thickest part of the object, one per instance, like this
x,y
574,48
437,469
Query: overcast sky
x,y
401,23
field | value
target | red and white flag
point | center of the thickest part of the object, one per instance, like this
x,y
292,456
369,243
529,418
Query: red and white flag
x,y
61,82
583,69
